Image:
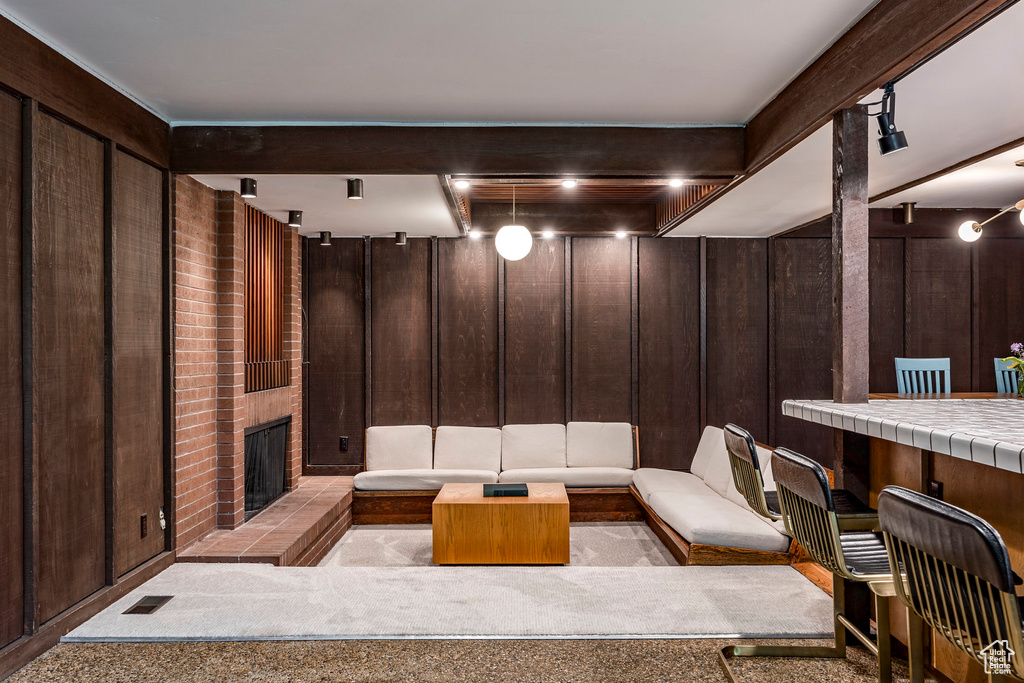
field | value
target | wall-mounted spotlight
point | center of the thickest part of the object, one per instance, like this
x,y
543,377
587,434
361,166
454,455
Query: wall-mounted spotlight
x,y
400,239
355,188
890,138
970,231
248,188
295,219
325,238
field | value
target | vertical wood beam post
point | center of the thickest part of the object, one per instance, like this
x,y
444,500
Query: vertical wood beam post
x,y
110,478
850,357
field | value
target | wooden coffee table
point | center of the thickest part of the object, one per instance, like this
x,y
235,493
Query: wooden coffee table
x,y
471,529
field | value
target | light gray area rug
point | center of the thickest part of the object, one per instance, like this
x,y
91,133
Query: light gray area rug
x,y
591,544
230,602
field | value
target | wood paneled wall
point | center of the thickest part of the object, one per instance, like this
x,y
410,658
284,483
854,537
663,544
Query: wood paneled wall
x,y
11,474
84,334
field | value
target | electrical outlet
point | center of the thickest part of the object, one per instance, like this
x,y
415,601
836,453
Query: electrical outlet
x,y
144,525
344,444
935,489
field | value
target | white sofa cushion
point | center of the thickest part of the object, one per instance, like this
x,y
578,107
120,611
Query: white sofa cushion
x,y
599,444
709,441
403,447
420,480
713,520
648,480
467,448
570,476
525,446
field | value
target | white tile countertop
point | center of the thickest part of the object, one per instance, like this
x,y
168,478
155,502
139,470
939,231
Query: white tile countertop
x,y
987,431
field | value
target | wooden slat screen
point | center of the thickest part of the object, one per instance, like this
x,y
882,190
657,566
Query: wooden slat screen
x,y
265,364
675,204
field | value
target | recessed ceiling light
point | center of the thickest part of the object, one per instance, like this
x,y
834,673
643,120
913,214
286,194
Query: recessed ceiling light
x,y
569,183
462,184
675,182
548,234
475,234
621,234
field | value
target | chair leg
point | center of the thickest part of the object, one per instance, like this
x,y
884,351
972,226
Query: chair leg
x,y
883,641
838,650
915,632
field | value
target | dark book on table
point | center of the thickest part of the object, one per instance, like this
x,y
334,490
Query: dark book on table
x,y
503,490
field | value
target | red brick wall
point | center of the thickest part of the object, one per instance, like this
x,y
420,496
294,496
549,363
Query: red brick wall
x,y
210,400
195,359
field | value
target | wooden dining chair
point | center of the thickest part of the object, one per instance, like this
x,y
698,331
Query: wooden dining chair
x,y
1006,378
922,375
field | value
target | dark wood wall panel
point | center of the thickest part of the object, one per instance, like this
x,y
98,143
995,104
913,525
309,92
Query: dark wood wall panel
x,y
137,245
68,383
400,332
334,328
938,305
11,473
669,348
885,313
803,340
1000,300
467,318
535,335
737,334
601,330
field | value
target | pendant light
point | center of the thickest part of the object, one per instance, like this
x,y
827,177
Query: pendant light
x,y
355,188
248,188
513,241
295,219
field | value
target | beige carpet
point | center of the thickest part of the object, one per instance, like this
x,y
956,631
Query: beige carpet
x,y
605,544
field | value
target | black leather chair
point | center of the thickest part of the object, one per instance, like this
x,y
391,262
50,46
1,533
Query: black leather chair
x,y
809,513
958,580
749,480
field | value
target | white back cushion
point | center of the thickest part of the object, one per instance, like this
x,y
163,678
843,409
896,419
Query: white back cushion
x,y
712,438
525,446
599,444
467,448
404,447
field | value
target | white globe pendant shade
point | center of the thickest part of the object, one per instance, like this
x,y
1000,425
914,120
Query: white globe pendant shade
x,y
967,231
513,242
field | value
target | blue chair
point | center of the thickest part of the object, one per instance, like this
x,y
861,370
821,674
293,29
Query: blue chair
x,y
921,375
1006,378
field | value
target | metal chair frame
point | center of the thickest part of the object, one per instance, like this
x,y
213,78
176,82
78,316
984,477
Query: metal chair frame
x,y
968,611
818,531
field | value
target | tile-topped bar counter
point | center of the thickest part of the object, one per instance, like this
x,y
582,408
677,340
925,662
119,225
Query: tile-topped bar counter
x,y
986,431
972,445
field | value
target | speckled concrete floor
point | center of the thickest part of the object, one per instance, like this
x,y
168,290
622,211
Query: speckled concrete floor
x,y
568,661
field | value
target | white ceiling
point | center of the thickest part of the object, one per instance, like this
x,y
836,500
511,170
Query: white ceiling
x,y
529,61
994,183
967,100
412,204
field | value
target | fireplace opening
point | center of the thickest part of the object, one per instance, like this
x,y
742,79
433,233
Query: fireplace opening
x,y
266,446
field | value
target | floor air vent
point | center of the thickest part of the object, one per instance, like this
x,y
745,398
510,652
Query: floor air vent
x,y
148,604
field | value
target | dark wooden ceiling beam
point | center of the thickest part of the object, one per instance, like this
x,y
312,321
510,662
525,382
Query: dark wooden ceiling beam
x,y
568,219
499,150
30,68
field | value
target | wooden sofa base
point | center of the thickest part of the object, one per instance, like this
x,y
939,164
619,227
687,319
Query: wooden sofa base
x,y
414,507
687,553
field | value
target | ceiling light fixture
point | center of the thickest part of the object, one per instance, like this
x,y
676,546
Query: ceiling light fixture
x,y
621,234
325,238
248,188
569,183
355,188
475,234
890,139
461,184
400,239
675,182
970,231
548,234
295,219
513,241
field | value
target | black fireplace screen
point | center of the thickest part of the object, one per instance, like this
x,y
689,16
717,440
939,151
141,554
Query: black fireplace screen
x,y
265,448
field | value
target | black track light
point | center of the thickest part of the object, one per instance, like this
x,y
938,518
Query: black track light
x,y
890,139
355,188
248,188
295,219
400,239
325,239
